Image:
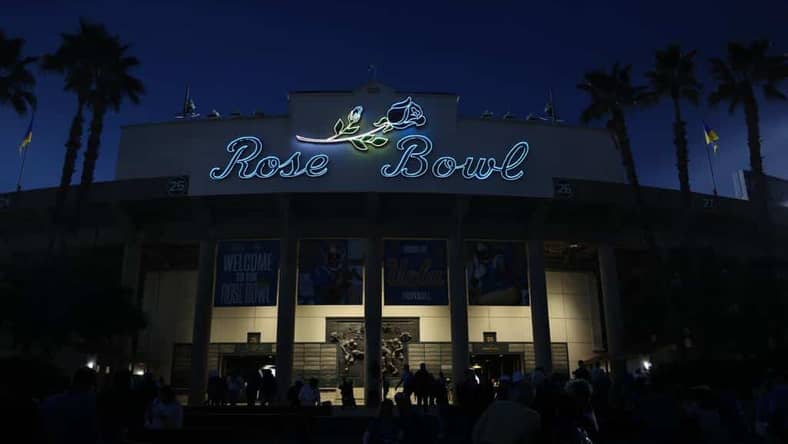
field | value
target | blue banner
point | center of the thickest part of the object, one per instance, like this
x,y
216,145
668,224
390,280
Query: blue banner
x,y
330,272
246,273
497,273
415,272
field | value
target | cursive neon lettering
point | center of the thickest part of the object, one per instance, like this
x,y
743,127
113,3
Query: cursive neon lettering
x,y
246,149
414,162
418,147
444,167
514,158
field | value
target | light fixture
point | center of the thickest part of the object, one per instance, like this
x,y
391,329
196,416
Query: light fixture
x,y
139,369
647,364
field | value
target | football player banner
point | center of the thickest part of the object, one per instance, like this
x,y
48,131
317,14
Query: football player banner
x,y
330,272
497,273
415,272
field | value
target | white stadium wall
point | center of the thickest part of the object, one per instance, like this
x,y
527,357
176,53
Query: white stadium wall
x,y
196,147
169,305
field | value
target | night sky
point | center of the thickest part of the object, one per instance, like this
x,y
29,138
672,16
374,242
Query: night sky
x,y
501,56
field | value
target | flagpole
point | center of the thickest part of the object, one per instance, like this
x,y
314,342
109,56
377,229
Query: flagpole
x,y
711,170
21,169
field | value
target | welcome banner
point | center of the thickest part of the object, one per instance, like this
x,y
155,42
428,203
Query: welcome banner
x,y
246,273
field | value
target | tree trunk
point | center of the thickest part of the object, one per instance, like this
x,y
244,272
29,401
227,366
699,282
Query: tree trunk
x,y
91,155
682,155
622,136
69,163
758,194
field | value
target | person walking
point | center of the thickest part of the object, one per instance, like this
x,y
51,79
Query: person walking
x,y
165,412
346,391
253,383
72,417
386,386
406,381
268,389
582,372
233,389
384,429
422,386
310,395
509,421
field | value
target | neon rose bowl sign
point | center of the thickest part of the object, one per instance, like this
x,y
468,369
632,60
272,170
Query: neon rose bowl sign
x,y
245,153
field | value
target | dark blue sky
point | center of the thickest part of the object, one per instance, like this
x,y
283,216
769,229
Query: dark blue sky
x,y
502,56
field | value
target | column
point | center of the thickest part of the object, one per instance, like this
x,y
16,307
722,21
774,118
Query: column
x,y
201,334
458,302
537,290
611,301
372,319
285,325
129,281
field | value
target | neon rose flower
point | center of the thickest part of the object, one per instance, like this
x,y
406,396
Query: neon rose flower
x,y
355,114
405,114
400,115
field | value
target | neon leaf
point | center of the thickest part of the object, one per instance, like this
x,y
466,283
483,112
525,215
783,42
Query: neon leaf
x,y
338,127
378,141
359,145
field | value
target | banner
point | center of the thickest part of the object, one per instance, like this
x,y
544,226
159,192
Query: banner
x,y
246,273
330,272
497,273
415,272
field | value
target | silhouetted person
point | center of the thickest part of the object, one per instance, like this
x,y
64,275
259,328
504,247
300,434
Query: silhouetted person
x,y
147,392
165,412
116,408
406,381
441,391
384,429
777,409
253,383
581,372
422,386
217,389
346,391
71,417
293,392
268,390
234,385
575,422
413,425
509,421
309,396
386,386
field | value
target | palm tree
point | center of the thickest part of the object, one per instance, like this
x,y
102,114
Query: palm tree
x,y
111,83
673,76
75,60
747,68
611,93
16,80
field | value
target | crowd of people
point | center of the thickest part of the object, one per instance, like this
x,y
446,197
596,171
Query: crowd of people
x,y
256,386
591,407
85,412
429,390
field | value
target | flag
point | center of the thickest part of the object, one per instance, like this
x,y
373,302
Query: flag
x,y
28,136
711,136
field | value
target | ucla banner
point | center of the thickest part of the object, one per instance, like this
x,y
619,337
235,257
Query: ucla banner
x,y
497,273
330,272
415,272
246,273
